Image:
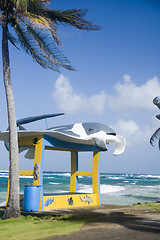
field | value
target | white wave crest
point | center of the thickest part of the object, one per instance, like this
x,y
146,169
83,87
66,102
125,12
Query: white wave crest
x,y
54,183
49,177
84,188
148,176
62,174
103,188
24,176
110,189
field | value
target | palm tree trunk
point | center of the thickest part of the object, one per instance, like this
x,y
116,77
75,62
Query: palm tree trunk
x,y
13,207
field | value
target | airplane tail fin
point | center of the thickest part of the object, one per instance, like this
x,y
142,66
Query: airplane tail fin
x,y
36,118
22,121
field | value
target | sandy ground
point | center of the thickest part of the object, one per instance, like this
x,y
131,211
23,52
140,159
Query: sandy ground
x,y
114,223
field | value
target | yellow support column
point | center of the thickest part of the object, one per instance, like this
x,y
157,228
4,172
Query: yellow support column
x,y
74,169
7,197
37,160
38,168
96,176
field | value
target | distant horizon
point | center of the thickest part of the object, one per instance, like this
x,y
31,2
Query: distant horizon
x,y
154,174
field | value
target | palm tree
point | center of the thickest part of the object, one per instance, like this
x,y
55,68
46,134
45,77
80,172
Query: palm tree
x,y
156,134
32,26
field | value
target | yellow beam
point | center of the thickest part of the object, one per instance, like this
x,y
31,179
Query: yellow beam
x,y
95,176
37,159
87,174
74,168
26,172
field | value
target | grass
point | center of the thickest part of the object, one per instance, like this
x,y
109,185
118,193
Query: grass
x,y
32,228
155,206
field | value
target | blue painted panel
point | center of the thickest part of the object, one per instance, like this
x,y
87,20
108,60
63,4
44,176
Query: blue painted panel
x,y
52,142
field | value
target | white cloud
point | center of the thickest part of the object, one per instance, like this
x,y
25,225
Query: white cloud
x,y
132,132
70,101
129,96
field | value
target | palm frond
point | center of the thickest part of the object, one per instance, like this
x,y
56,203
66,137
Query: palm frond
x,y
156,101
30,4
73,17
42,22
27,44
36,28
155,137
1,19
12,39
37,45
47,46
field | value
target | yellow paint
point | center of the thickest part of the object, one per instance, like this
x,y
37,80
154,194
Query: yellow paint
x,y
93,174
95,177
87,174
26,172
73,171
37,159
7,197
62,201
72,199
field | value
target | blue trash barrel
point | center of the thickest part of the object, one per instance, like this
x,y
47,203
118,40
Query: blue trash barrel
x,y
31,198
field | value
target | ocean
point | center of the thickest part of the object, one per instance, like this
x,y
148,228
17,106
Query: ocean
x,y
120,189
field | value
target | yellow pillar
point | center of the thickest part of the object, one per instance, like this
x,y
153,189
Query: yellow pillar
x,y
74,169
7,197
96,176
37,160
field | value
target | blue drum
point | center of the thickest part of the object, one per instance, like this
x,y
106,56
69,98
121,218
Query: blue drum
x,y
31,198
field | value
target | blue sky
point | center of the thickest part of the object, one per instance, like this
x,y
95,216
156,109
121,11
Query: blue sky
x,y
117,77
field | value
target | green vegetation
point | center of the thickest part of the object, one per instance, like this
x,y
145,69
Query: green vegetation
x,y
155,206
33,227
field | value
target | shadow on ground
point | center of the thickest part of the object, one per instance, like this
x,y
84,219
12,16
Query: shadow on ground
x,y
116,222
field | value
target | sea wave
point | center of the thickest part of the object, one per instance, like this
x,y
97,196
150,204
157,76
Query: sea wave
x,y
24,176
85,188
65,174
62,174
54,183
49,177
148,176
110,189
103,188
115,178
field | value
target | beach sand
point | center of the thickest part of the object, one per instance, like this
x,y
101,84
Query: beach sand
x,y
114,223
